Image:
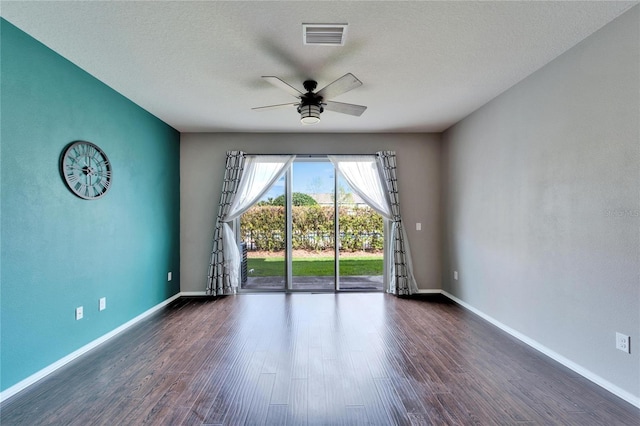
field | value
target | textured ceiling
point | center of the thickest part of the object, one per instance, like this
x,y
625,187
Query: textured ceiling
x,y
197,65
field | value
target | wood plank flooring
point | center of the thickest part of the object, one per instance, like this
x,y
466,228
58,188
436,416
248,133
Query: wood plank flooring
x,y
315,359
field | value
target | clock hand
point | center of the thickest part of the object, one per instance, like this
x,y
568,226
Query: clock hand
x,y
89,170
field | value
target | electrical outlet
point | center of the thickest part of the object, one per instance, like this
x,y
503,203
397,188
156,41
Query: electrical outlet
x,y
169,276
622,343
455,275
79,313
103,303
418,226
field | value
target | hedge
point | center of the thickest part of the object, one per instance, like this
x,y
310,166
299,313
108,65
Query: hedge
x,y
361,228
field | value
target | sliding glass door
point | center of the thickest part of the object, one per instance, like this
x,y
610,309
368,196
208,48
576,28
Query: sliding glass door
x,y
311,232
313,254
360,257
263,242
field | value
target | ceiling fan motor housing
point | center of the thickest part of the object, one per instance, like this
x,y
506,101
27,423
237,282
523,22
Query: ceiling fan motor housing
x,y
314,101
310,106
310,98
310,85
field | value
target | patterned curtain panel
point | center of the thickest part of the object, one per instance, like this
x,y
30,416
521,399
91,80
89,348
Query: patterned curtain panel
x,y
219,279
402,281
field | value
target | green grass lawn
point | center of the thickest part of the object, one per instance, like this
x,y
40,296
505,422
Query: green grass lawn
x,y
315,266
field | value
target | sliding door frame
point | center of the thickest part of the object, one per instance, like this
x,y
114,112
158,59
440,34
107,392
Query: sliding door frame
x,y
288,285
288,257
289,219
336,230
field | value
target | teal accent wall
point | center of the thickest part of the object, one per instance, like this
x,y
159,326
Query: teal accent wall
x,y
60,251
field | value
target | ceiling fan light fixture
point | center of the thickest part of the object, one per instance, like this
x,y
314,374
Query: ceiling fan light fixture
x,y
310,114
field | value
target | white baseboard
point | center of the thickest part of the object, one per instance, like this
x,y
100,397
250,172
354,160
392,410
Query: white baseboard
x,y
627,396
193,293
23,384
429,291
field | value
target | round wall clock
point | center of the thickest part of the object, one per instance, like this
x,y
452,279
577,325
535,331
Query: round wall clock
x,y
86,170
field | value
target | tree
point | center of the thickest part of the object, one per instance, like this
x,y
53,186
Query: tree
x,y
297,199
315,185
344,196
268,202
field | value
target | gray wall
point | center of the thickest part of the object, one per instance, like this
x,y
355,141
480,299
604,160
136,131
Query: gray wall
x,y
202,159
542,205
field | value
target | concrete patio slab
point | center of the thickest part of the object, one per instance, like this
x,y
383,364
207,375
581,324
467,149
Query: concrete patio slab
x,y
359,282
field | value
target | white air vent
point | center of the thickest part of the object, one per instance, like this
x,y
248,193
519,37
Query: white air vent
x,y
324,34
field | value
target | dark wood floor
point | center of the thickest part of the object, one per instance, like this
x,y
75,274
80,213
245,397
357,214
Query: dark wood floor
x,y
298,359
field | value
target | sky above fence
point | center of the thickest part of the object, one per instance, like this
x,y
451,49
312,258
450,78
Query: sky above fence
x,y
310,177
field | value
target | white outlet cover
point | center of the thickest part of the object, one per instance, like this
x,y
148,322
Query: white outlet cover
x,y
169,276
418,226
79,313
622,342
455,275
103,303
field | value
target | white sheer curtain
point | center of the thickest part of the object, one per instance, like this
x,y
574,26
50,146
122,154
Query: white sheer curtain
x,y
256,175
361,172
365,174
260,173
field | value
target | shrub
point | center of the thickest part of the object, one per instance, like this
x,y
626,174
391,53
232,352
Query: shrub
x,y
297,199
263,226
361,228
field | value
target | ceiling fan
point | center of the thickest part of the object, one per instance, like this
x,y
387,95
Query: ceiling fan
x,y
312,104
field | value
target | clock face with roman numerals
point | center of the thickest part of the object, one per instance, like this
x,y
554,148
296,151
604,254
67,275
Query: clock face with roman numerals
x,y
86,170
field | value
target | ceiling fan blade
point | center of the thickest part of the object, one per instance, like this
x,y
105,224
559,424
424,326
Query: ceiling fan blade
x,y
283,85
342,85
343,108
262,108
